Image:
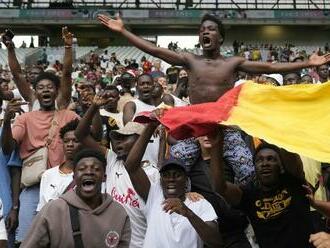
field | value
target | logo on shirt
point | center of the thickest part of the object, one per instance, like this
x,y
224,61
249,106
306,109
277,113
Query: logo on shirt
x,y
112,239
271,207
130,198
118,174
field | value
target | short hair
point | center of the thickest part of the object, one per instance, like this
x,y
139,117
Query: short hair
x,y
49,76
264,146
327,65
127,76
89,153
298,73
145,75
70,126
215,18
111,88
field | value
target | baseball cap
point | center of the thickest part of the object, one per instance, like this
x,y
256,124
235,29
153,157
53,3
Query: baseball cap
x,y
277,77
129,129
169,163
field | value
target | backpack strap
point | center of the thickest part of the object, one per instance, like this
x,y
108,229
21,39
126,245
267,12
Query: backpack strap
x,y
75,225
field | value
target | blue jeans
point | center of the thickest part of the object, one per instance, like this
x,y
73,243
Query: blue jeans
x,y
29,199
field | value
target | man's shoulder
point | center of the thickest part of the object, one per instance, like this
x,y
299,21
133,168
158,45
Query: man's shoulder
x,y
68,114
117,208
235,59
50,172
54,206
66,111
203,209
201,204
24,116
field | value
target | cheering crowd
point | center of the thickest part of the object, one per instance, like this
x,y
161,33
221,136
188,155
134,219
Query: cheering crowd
x,y
79,170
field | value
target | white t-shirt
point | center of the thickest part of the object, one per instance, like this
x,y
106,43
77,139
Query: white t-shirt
x,y
173,230
152,151
120,187
53,184
3,232
104,60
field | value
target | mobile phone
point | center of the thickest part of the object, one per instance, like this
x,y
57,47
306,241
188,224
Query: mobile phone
x,y
8,34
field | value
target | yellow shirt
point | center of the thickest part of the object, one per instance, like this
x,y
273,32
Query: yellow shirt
x,y
312,169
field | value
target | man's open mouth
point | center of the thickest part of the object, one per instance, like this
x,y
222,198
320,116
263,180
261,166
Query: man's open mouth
x,y
171,189
46,97
88,185
146,93
206,42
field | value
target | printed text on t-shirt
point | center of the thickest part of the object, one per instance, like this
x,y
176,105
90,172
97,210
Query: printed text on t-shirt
x,y
129,198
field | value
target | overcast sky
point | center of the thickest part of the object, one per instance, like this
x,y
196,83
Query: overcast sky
x,y
163,41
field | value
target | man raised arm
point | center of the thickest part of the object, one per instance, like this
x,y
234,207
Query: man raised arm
x,y
261,67
18,75
64,96
84,128
231,192
161,205
138,177
117,25
24,86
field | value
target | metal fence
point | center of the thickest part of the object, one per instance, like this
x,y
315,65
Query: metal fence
x,y
170,4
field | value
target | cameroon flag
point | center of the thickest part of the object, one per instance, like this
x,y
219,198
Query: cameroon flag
x,y
294,117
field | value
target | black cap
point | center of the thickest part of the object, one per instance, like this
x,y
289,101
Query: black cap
x,y
168,163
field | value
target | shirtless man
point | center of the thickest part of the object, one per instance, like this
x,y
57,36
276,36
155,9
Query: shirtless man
x,y
210,75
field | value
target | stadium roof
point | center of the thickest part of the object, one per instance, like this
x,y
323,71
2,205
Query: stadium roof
x,y
170,4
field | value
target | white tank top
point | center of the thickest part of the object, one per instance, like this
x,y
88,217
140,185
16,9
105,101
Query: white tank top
x,y
152,150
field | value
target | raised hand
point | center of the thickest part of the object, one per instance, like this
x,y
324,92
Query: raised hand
x,y
101,99
194,196
87,97
175,205
310,194
320,240
7,41
116,25
67,36
316,60
12,108
157,114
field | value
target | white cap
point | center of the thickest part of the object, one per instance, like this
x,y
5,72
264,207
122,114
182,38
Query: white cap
x,y
50,69
277,77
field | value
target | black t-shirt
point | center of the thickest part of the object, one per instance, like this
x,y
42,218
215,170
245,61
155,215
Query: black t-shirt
x,y
280,218
230,220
